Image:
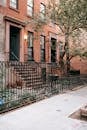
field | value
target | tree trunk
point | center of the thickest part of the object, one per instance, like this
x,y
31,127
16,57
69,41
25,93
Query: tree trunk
x,y
65,67
67,52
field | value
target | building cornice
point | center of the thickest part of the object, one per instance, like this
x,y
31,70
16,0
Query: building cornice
x,y
14,20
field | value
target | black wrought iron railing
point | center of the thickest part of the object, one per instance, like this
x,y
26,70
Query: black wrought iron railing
x,y
25,83
13,56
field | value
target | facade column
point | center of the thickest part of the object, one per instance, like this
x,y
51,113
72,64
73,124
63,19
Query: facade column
x,y
22,45
2,38
7,35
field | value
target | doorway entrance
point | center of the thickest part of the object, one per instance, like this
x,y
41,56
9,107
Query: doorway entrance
x,y
53,50
14,43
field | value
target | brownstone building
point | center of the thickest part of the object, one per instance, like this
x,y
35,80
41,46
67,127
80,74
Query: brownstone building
x,y
19,41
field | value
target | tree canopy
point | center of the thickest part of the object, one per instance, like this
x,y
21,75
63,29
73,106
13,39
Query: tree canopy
x,y
71,17
69,14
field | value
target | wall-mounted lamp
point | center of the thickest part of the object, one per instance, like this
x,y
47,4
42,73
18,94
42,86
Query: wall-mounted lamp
x,y
25,37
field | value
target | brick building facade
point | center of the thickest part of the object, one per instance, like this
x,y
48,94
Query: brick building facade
x,y
18,39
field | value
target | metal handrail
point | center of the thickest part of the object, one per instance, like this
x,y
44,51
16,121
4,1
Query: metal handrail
x,y
14,55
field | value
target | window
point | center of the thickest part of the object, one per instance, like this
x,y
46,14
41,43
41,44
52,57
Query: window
x,y
30,46
30,5
14,4
42,11
42,44
61,48
53,50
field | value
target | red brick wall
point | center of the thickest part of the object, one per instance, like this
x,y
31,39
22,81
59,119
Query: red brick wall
x,y
79,64
21,15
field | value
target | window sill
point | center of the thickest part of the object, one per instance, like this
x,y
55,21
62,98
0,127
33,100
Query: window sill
x,y
30,16
16,10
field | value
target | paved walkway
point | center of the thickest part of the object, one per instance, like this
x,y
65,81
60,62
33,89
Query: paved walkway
x,y
49,114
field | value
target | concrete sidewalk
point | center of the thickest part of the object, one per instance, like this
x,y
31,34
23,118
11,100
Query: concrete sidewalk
x,y
49,114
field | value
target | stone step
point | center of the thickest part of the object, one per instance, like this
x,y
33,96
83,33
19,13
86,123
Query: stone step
x,y
25,69
35,85
24,65
31,78
26,73
29,74
34,82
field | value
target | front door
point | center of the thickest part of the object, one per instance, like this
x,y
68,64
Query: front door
x,y
53,50
14,43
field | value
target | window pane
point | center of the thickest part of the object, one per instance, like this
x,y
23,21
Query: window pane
x,y
30,53
30,7
30,39
29,11
30,46
30,3
42,11
42,8
42,16
60,47
13,3
42,42
42,55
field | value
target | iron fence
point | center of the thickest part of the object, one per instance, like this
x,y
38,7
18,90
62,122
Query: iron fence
x,y
25,83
